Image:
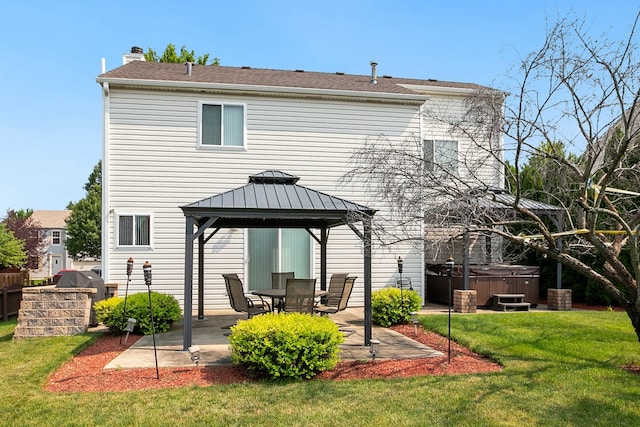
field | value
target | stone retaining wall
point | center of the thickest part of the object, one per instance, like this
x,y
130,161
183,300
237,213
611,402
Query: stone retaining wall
x,y
48,311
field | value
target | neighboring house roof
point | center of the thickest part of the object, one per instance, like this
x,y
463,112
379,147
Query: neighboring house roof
x,y
229,78
51,219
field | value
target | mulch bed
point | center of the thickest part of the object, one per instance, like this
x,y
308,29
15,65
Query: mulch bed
x,y
85,371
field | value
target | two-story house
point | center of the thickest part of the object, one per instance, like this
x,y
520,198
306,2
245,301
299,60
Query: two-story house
x,y
178,133
53,227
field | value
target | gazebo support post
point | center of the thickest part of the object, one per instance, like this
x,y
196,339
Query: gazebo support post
x,y
201,276
366,221
323,258
188,283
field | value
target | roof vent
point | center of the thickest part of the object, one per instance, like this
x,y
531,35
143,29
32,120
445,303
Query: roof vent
x,y
137,54
374,76
189,68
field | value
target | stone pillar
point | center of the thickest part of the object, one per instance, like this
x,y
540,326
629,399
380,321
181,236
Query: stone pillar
x,y
111,289
465,301
47,311
559,299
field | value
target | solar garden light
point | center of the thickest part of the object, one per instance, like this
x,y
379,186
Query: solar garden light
x,y
414,320
131,324
194,351
400,262
126,292
450,265
146,269
374,348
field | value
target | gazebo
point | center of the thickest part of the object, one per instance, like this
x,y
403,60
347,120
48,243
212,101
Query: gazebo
x,y
272,199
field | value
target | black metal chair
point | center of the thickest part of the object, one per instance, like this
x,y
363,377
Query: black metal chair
x,y
279,281
341,303
239,301
336,286
300,295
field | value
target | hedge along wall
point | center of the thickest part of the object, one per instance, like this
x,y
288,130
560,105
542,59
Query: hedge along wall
x,y
47,311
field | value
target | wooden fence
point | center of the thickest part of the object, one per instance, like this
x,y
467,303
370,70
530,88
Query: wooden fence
x,y
11,285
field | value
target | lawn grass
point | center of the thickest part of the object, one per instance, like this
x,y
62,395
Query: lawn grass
x,y
561,368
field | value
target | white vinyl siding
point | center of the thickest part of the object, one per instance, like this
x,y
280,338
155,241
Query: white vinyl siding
x,y
156,164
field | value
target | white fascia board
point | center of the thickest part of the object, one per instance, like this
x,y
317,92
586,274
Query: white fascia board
x,y
446,90
413,98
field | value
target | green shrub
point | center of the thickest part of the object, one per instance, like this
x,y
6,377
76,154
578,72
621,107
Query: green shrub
x,y
105,309
286,345
166,310
391,306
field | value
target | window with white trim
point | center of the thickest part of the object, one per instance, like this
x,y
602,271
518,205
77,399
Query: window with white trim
x,y
441,156
134,230
56,237
221,125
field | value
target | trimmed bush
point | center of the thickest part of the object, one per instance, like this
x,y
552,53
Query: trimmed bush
x,y
391,306
105,308
286,345
166,310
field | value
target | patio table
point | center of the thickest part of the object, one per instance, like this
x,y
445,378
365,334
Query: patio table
x,y
280,293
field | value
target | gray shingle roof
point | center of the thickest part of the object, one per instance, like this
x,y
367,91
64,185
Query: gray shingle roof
x,y
207,74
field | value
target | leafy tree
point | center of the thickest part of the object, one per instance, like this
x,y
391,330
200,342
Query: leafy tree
x,y
26,229
84,224
576,89
170,55
12,253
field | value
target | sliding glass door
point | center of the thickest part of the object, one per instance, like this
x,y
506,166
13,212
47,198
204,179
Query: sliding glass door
x,y
277,250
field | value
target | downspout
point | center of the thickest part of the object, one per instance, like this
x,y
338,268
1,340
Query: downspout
x,y
106,211
423,275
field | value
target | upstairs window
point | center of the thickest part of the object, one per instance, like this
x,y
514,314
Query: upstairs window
x,y
134,230
221,125
56,237
441,156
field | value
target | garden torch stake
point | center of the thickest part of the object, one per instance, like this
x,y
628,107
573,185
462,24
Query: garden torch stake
x,y
449,274
126,291
401,296
146,268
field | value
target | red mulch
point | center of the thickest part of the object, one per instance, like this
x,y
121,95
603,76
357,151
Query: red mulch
x,y
85,371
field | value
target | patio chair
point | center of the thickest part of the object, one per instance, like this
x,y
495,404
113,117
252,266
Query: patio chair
x,y
279,281
325,309
239,301
300,295
336,285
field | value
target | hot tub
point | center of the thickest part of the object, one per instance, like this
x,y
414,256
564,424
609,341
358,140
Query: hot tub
x,y
486,280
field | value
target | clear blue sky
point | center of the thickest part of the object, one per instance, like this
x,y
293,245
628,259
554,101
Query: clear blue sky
x,y
50,104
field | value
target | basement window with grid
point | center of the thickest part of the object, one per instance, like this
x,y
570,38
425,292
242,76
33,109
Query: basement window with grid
x,y
441,156
134,230
221,125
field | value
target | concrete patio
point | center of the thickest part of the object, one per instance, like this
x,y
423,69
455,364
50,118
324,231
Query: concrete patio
x,y
209,336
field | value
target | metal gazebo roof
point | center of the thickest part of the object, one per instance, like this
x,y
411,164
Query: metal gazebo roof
x,y
272,199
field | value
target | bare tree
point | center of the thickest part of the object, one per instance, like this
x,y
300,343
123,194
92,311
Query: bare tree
x,y
576,92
